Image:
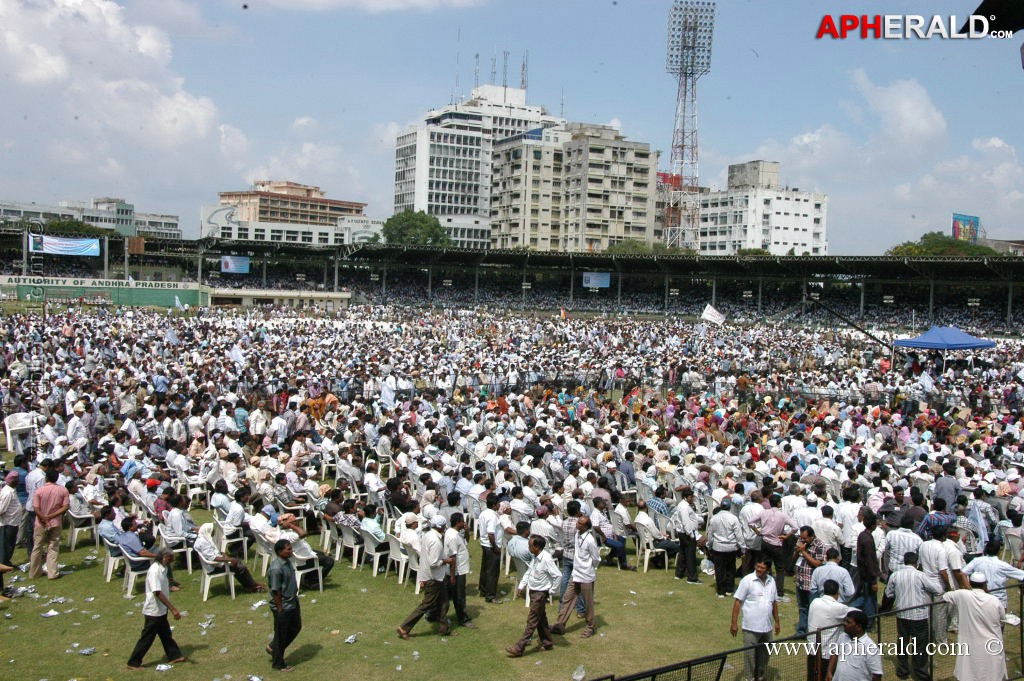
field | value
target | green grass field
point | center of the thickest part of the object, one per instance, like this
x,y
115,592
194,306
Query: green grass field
x,y
644,621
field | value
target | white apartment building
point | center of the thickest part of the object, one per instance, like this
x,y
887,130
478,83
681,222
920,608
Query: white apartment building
x,y
220,222
443,165
756,212
578,188
106,213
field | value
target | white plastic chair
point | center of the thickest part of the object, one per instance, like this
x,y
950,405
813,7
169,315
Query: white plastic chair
x,y
175,545
349,540
647,548
264,551
228,535
397,556
313,565
110,560
78,527
371,550
130,575
414,565
212,571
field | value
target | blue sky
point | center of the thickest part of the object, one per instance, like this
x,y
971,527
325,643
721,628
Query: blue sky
x,y
167,102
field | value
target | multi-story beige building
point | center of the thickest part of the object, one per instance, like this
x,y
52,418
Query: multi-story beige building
x,y
288,202
579,188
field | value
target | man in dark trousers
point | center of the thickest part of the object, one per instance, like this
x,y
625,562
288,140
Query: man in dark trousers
x,y
284,603
434,569
155,611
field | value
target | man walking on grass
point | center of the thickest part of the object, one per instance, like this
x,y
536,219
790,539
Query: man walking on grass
x,y
284,604
155,610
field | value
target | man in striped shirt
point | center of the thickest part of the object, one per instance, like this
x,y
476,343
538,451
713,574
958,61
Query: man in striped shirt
x,y
899,542
908,592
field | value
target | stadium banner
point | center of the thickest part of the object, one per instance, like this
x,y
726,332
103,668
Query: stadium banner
x,y
56,245
966,227
73,282
712,315
234,264
597,279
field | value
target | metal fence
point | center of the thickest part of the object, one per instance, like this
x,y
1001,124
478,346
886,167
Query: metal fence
x,y
789,658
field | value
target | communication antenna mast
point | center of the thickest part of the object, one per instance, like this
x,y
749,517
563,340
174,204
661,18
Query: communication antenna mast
x,y
524,73
494,68
476,70
691,26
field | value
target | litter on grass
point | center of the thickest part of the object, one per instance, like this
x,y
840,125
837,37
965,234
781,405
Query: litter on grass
x,y
351,639
50,613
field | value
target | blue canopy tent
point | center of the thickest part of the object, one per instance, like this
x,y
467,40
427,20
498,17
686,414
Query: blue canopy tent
x,y
945,338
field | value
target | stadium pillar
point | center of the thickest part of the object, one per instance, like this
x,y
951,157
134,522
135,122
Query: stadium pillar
x,y
24,254
572,284
618,299
760,285
199,267
430,283
666,295
931,302
264,273
476,284
1009,304
106,257
714,291
803,298
335,271
384,282
862,287
127,276
325,276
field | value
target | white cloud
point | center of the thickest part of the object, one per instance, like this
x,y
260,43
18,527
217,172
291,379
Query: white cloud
x,y
386,134
234,145
304,125
888,178
616,123
374,6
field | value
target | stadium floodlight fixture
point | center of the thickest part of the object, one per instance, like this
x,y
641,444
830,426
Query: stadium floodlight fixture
x,y
691,25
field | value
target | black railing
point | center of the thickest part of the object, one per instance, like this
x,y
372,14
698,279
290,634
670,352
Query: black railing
x,y
790,659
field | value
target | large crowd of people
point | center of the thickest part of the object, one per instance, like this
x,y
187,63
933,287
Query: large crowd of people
x,y
796,461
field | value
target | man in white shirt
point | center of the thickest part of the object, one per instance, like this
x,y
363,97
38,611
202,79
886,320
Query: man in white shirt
x,y
540,580
434,568
759,601
154,611
827,613
861,658
489,532
584,574
455,545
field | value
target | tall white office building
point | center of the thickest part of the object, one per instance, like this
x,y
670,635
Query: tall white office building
x,y
443,165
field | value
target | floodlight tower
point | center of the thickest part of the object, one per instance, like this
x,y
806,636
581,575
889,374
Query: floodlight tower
x,y
691,25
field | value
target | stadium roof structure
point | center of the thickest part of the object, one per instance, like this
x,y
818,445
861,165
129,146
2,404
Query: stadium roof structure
x,y
1001,268
976,269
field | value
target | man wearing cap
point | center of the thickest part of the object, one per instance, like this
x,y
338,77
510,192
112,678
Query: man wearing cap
x,y
434,568
980,613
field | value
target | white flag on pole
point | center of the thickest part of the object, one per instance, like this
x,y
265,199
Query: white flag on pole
x,y
927,382
177,303
712,315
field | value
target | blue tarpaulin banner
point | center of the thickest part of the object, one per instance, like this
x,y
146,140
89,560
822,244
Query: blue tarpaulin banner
x,y
55,245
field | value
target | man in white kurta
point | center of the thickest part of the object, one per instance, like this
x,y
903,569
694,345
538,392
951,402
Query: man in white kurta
x,y
981,617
